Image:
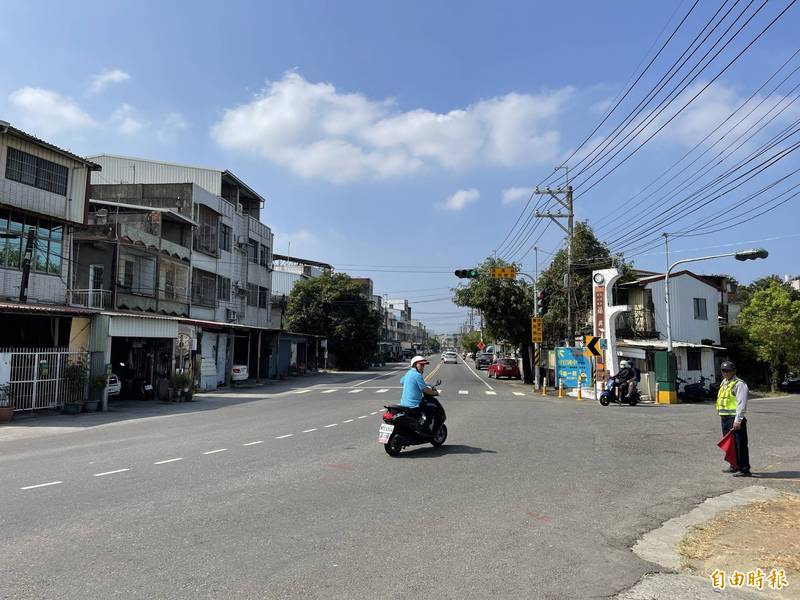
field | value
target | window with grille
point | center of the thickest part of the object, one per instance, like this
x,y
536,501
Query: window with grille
x,y
252,295
700,312
48,246
263,297
205,237
204,288
264,256
223,288
252,251
693,360
225,235
37,172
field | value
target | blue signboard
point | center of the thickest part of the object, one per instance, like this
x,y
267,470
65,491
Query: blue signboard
x,y
571,364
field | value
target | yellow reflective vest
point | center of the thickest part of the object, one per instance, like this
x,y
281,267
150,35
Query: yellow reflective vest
x,y
726,398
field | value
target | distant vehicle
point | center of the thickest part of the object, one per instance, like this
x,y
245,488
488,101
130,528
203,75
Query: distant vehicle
x,y
239,373
791,384
471,355
483,359
113,385
504,367
450,357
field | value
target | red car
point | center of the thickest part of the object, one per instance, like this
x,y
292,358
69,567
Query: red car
x,y
504,367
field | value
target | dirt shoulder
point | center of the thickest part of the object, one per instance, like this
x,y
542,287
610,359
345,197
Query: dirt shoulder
x,y
756,546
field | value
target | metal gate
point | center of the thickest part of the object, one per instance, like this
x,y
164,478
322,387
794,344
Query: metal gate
x,y
36,376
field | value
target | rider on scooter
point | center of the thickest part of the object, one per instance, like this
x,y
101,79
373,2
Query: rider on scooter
x,y
626,378
414,386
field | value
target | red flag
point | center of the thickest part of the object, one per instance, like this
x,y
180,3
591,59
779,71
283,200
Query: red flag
x,y
728,445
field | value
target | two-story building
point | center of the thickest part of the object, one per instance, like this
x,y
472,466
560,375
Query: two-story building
x,y
43,197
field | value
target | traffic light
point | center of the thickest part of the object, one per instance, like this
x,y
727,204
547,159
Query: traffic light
x,y
752,254
466,273
543,302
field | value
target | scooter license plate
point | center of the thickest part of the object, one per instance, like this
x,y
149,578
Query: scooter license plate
x,y
385,432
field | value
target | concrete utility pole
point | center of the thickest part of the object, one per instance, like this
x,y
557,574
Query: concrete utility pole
x,y
569,215
537,357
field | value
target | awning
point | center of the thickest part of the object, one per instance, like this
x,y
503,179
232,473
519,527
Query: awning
x,y
46,309
662,345
176,216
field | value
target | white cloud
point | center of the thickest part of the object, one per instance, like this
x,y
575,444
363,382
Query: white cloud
x,y
515,194
316,131
46,113
460,200
127,120
170,127
102,80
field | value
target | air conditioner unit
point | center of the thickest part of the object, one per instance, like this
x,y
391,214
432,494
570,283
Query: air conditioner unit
x,y
231,315
239,288
242,241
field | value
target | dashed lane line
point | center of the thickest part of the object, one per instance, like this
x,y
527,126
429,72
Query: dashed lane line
x,y
363,416
41,485
215,451
301,391
282,437
374,413
355,391
169,460
382,391
518,394
478,377
463,392
491,393
110,472
327,391
253,443
349,421
310,430
331,425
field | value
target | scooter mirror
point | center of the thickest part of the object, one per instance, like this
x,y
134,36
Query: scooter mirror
x,y
438,382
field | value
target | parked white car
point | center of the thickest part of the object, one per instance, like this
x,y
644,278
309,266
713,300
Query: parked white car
x,y
450,357
239,373
113,385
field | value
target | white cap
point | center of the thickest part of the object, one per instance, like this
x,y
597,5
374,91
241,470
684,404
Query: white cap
x,y
624,363
421,359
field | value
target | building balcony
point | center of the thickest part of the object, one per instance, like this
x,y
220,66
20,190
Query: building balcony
x,y
139,237
89,298
637,323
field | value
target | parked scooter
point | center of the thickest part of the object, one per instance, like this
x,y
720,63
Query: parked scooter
x,y
693,392
404,427
614,393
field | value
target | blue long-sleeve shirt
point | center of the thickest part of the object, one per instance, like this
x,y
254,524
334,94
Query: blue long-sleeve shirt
x,y
413,384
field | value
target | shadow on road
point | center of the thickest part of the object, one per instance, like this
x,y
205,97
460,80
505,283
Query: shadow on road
x,y
778,475
430,452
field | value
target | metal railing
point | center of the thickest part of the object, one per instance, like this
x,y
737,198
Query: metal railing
x,y
639,322
37,376
89,298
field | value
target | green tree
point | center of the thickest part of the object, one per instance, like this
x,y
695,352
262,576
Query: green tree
x,y
588,254
469,342
332,305
745,292
506,304
772,321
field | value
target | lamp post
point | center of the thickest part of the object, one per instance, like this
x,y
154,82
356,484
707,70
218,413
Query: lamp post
x,y
740,255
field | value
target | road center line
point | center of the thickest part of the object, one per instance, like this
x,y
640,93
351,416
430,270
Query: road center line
x,y
463,392
374,413
110,472
382,391
281,437
355,391
310,430
169,460
348,421
40,485
215,451
363,416
327,391
301,391
331,425
518,394
253,443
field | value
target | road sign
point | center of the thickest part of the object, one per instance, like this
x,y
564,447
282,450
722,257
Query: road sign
x,y
503,272
592,346
481,345
536,329
572,365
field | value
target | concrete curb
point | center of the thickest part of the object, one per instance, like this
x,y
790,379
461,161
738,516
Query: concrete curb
x,y
661,545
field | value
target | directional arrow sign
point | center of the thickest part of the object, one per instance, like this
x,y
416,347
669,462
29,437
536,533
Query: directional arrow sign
x,y
592,346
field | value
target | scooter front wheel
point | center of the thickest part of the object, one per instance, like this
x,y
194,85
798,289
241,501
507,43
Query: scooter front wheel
x,y
604,399
440,437
393,446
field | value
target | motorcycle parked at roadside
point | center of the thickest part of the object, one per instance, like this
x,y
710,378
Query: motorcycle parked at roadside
x,y
692,392
403,426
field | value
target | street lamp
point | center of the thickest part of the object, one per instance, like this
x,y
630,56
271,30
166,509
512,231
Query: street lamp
x,y
740,255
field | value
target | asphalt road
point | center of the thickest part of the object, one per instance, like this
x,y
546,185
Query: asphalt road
x,y
284,492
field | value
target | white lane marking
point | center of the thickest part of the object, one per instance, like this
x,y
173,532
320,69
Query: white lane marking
x,y
310,430
349,421
463,392
301,391
30,487
169,460
331,425
478,377
327,391
355,391
382,391
491,393
110,472
253,443
374,413
518,394
215,451
281,437
363,416
374,378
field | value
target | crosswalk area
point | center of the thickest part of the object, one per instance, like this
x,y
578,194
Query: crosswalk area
x,y
397,390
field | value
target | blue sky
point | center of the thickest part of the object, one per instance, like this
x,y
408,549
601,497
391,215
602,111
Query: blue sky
x,y
401,140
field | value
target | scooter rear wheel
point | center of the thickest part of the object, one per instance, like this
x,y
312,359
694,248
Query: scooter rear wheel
x,y
633,401
393,446
440,437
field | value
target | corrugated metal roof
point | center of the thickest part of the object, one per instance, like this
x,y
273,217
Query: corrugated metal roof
x,y
33,139
46,308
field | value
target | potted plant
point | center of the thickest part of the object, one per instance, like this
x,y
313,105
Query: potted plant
x,y
182,386
6,407
97,385
75,374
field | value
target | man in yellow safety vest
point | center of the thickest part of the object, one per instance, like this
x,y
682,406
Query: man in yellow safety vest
x,y
731,406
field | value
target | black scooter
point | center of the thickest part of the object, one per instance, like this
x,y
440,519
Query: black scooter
x,y
404,427
693,392
612,394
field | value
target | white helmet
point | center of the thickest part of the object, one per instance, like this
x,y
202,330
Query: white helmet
x,y
417,359
623,364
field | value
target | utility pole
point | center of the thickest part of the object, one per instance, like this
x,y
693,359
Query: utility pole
x,y
26,266
563,195
537,357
